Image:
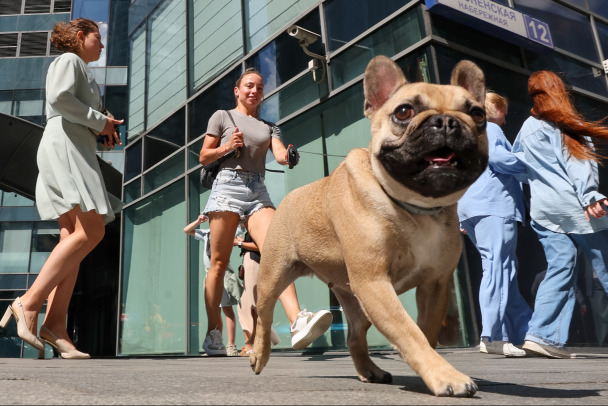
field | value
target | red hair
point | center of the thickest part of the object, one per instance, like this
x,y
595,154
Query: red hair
x,y
552,103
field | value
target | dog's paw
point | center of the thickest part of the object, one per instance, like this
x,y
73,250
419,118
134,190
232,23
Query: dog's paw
x,y
455,384
258,361
379,376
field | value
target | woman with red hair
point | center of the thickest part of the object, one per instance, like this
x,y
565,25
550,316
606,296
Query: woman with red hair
x,y
567,211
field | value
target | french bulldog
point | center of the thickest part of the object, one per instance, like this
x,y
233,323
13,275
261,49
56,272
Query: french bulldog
x,y
384,221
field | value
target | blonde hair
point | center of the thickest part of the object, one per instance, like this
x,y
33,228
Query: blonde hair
x,y
64,35
494,105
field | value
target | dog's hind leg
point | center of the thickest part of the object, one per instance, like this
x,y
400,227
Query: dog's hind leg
x,y
432,300
358,324
381,304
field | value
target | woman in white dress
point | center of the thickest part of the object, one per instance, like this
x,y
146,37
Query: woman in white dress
x,y
70,186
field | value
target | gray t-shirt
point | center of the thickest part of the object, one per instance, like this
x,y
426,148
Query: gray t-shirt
x,y
256,135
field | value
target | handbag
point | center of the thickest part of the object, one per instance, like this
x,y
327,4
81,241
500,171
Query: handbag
x,y
100,138
209,172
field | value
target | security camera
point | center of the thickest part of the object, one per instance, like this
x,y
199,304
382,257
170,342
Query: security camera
x,y
303,35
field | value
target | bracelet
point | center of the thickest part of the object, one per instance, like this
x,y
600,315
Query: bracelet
x,y
217,154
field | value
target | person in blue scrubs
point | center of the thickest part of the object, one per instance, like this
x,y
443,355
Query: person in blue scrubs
x,y
489,213
567,211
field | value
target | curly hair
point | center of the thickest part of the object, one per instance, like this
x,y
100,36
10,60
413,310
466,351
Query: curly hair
x,y
64,34
552,103
238,83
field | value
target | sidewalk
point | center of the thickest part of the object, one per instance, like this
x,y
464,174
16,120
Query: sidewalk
x,y
296,378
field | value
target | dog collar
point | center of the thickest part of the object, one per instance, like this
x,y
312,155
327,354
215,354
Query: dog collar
x,y
412,208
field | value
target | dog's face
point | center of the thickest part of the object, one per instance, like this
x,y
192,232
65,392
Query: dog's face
x,y
428,141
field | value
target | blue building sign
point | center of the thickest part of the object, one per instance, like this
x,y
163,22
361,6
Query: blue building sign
x,y
497,20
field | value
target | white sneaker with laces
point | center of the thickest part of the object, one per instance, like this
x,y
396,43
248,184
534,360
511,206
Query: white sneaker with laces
x,y
308,327
213,344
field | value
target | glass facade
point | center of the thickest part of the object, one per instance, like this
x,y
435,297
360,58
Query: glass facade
x,y
173,93
181,58
25,55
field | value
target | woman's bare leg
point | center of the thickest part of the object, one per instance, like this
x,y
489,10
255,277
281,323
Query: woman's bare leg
x,y
222,227
80,233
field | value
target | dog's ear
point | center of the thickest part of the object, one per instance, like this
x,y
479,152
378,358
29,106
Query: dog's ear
x,y
382,77
468,75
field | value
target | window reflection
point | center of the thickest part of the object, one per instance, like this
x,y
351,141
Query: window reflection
x,y
219,96
576,73
346,19
391,39
133,161
165,139
599,6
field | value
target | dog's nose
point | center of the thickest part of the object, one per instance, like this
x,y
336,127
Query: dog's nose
x,y
443,122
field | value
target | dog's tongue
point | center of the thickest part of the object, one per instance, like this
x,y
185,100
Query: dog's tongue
x,y
440,159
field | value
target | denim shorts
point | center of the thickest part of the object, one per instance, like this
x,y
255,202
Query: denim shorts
x,y
239,192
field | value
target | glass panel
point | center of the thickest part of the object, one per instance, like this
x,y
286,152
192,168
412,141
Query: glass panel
x,y
346,19
576,73
476,40
194,152
132,191
165,139
137,83
29,105
217,38
13,282
391,39
44,239
6,101
292,98
602,32
133,161
14,200
599,6
15,240
164,172
153,316
219,96
264,18
563,21
167,71
116,76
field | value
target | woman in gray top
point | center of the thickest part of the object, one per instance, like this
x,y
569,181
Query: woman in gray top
x,y
239,194
70,186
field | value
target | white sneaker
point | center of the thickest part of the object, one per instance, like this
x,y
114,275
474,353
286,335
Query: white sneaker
x,y
509,350
308,327
213,344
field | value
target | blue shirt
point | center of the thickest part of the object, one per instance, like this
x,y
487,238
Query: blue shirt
x,y
496,192
561,186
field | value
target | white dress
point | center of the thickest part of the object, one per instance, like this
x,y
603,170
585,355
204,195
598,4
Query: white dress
x,y
69,173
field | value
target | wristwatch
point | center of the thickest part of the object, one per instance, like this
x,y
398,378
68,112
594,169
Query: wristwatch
x,y
240,244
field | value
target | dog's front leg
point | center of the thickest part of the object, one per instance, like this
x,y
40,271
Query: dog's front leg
x,y
381,304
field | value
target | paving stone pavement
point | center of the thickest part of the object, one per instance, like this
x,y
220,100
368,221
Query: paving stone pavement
x,y
299,379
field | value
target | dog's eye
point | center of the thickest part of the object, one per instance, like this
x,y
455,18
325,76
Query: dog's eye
x,y
404,112
478,115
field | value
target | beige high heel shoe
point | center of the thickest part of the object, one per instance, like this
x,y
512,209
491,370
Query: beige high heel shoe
x,y
58,348
22,330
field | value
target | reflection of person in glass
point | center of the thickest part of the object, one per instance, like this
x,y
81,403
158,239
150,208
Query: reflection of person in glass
x,y
239,194
488,214
70,186
567,211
